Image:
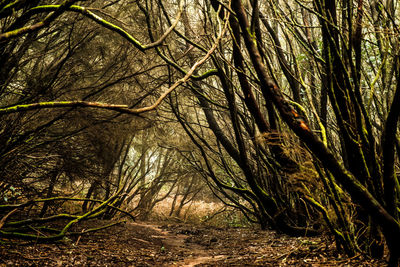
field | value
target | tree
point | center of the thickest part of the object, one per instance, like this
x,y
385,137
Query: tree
x,y
49,157
343,85
265,83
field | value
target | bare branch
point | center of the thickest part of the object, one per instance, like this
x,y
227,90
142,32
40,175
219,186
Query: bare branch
x,y
86,12
51,17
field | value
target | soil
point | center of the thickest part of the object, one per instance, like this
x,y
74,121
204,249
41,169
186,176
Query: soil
x,y
157,244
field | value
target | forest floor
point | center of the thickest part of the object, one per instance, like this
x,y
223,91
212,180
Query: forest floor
x,y
157,244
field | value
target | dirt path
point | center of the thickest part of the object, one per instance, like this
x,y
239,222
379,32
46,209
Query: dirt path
x,y
171,245
196,254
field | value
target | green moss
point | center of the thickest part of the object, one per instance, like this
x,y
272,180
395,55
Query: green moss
x,y
252,35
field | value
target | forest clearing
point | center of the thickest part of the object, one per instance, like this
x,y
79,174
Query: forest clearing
x,y
200,132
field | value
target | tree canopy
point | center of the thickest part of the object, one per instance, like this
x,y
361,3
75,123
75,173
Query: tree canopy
x,y
287,111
